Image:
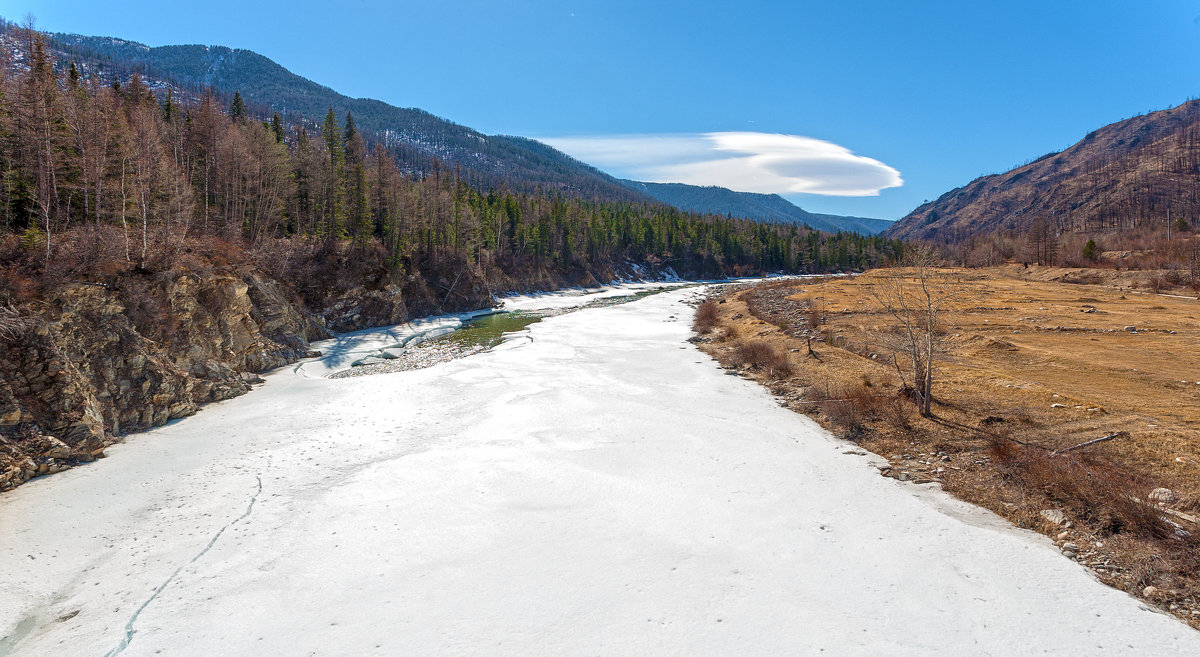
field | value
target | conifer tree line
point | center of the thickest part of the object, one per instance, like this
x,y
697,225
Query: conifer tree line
x,y
123,175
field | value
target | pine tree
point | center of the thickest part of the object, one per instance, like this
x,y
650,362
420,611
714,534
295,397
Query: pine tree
x,y
168,106
277,128
334,215
357,192
237,108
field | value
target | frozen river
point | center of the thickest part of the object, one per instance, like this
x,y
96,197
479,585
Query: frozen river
x,y
597,487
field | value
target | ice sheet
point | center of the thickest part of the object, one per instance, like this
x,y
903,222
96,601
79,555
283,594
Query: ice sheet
x,y
604,489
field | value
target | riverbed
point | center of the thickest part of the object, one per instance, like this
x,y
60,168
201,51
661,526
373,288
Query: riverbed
x,y
596,487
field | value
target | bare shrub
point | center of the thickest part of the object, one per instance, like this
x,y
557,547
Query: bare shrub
x,y
855,407
762,355
1097,492
850,408
706,317
895,410
814,312
1156,282
12,323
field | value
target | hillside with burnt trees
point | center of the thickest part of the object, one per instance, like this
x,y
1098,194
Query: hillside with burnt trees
x,y
1134,184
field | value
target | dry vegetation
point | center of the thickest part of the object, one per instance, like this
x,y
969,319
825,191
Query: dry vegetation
x,y
1035,362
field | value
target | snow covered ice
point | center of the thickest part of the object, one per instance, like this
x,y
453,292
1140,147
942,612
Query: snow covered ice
x,y
592,489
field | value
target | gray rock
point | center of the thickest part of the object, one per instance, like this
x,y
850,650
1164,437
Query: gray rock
x,y
1161,496
1054,515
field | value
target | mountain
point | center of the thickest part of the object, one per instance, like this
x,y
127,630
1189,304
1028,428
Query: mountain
x,y
763,207
420,141
1123,181
417,138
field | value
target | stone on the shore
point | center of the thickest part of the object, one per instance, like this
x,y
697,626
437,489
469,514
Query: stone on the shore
x,y
1054,515
1161,496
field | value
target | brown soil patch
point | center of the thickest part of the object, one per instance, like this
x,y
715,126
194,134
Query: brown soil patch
x,y
1033,364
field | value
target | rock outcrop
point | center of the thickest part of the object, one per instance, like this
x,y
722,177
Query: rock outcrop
x,y
83,373
94,362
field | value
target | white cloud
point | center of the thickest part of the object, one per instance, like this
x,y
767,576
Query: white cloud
x,y
742,161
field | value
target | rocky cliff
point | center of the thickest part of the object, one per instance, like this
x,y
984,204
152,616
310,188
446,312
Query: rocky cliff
x,y
92,363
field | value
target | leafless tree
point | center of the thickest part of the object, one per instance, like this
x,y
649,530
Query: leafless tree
x,y
916,297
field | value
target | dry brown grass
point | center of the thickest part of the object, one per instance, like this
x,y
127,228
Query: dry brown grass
x,y
1040,356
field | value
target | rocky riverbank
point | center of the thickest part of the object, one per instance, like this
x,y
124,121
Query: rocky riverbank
x,y
88,363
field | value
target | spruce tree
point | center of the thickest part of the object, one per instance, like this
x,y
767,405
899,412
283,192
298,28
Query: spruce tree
x,y
168,106
334,224
357,190
277,128
237,108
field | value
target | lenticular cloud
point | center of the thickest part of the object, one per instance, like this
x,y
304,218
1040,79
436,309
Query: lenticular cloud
x,y
743,161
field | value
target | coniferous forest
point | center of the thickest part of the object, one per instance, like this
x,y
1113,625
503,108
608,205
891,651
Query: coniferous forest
x,y
101,180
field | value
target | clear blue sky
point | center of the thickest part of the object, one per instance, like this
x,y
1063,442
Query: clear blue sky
x,y
939,92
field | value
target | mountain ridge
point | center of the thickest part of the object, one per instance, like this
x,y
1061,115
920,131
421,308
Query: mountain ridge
x,y
750,205
421,141
1123,179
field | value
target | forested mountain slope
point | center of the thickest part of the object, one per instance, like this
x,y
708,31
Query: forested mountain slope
x,y
763,207
415,137
1133,177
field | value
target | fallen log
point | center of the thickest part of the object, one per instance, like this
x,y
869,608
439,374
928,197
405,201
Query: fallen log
x,y
1089,443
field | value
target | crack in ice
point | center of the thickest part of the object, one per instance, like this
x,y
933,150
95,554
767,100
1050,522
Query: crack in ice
x,y
129,629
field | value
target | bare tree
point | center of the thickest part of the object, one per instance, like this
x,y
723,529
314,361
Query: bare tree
x,y
916,296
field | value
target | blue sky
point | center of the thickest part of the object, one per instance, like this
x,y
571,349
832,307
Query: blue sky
x,y
864,108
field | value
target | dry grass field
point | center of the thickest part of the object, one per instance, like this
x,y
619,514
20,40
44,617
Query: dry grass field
x,y
1033,360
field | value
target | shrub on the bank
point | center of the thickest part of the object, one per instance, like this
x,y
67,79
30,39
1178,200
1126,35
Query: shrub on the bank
x,y
853,407
762,355
706,317
849,408
1099,493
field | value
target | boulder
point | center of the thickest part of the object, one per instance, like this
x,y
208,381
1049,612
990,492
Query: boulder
x,y
1054,515
1161,496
